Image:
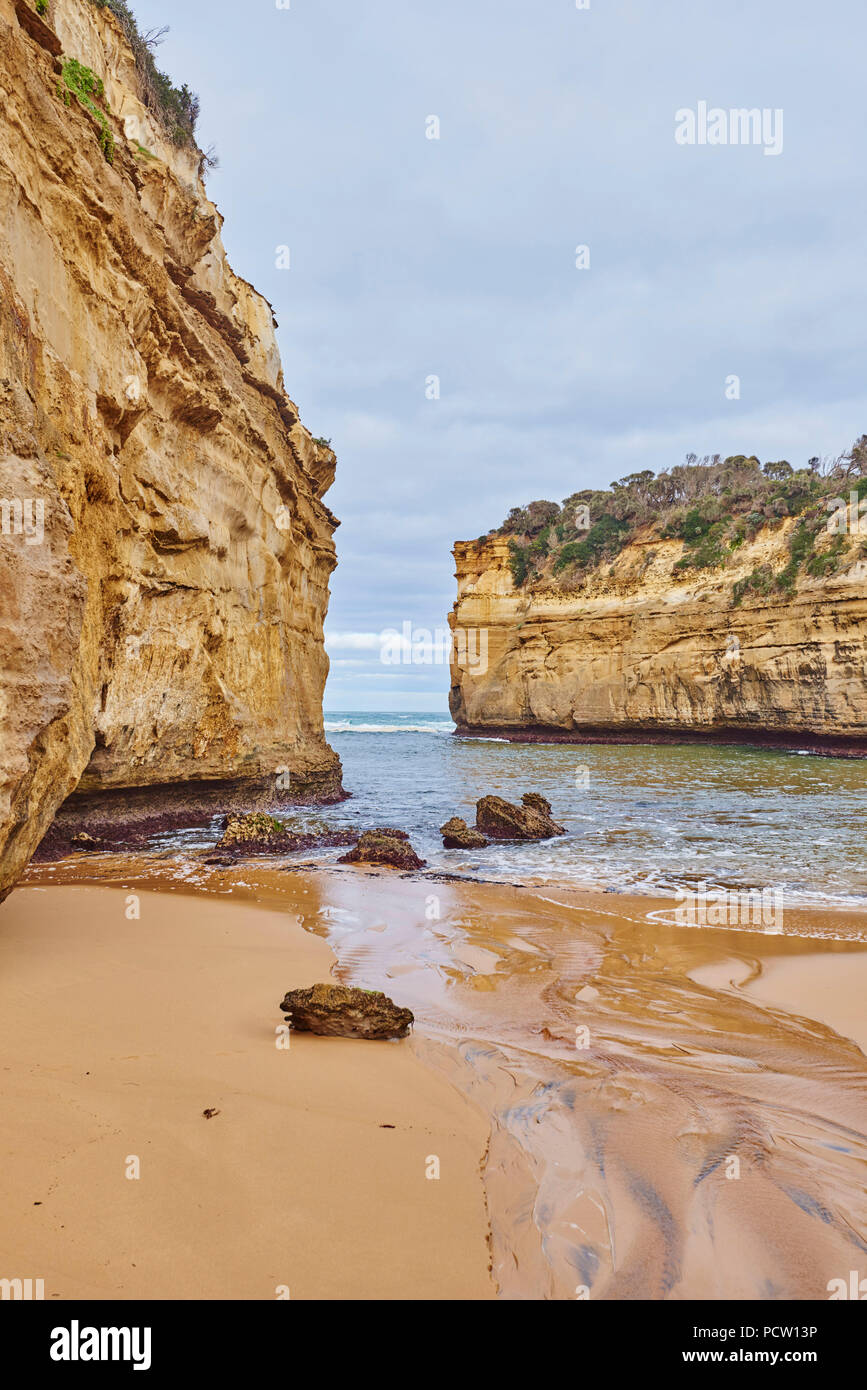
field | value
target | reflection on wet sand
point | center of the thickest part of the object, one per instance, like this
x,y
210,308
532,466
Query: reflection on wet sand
x,y
670,1116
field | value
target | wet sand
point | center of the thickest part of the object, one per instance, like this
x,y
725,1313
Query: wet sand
x,y
116,1035
672,1112
811,986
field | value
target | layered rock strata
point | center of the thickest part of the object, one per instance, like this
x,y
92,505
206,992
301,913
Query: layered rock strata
x,y
165,549
638,652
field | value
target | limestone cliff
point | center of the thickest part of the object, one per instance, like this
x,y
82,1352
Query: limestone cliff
x,y
165,550
642,651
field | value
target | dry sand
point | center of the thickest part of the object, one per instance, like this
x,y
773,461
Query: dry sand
x,y
116,1035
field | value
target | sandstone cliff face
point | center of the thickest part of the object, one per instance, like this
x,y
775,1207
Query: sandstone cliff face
x,y
638,652
166,627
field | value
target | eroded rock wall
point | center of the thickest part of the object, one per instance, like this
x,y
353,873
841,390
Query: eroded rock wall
x,y
165,630
639,652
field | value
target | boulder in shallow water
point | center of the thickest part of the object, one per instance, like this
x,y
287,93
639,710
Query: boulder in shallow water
x,y
343,1011
501,820
458,835
255,828
256,832
384,847
536,802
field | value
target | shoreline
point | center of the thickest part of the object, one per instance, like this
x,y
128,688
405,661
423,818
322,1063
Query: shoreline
x,y
772,740
128,817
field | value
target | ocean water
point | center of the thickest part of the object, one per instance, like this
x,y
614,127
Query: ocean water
x,y
640,818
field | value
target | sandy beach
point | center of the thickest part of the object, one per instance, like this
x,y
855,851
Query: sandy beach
x,y
566,1166
117,1036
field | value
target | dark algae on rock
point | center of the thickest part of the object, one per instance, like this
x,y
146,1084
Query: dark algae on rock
x,y
501,820
389,847
260,833
458,835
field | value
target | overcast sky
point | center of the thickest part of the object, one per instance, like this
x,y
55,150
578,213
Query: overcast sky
x,y
413,257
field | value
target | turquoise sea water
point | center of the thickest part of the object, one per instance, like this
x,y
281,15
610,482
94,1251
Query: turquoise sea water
x,y
638,817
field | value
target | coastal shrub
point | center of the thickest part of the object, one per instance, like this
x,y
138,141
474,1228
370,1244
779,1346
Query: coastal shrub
x,y
737,535
802,554
605,536
753,524
83,84
41,6
538,548
605,532
541,514
322,441
798,491
817,566
572,553
176,108
761,581
781,469
691,526
519,563
530,520
714,505
707,552
695,524
603,541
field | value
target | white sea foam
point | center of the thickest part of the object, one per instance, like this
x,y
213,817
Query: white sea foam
x,y
348,726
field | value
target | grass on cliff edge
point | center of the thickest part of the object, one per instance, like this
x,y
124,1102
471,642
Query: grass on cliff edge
x,y
713,505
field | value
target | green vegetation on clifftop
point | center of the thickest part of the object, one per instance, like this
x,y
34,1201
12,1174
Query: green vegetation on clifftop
x,y
713,505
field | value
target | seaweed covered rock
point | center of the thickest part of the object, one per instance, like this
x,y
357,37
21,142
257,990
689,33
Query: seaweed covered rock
x,y
343,1011
256,828
258,833
391,847
501,820
458,835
